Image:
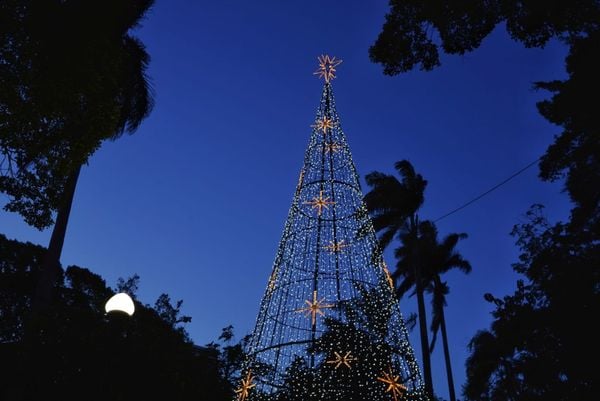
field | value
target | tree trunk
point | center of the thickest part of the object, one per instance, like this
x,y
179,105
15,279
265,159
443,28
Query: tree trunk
x,y
422,317
50,268
451,392
424,342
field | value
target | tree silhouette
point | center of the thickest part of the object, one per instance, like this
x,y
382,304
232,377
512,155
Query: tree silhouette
x,y
406,42
438,258
393,205
529,351
84,353
71,77
541,344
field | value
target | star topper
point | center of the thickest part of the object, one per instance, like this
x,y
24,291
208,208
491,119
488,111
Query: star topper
x,y
242,391
315,307
342,360
320,203
393,384
327,67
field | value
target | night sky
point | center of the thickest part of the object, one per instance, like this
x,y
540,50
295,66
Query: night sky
x,y
195,201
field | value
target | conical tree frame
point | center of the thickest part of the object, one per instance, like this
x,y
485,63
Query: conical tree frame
x,y
329,325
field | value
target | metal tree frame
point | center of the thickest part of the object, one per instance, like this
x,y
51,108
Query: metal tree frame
x,y
328,258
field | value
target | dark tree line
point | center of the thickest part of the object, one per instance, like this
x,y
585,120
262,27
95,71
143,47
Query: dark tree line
x,y
72,76
542,343
85,354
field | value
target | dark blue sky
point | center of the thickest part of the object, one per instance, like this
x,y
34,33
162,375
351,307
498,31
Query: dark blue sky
x,y
196,200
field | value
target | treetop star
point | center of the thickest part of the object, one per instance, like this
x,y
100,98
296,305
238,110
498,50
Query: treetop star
x,y
327,67
320,203
245,386
315,307
342,360
393,384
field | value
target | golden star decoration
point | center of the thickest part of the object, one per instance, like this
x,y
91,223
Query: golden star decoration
x,y
336,247
342,360
242,391
314,308
327,67
332,147
393,384
320,203
324,124
388,275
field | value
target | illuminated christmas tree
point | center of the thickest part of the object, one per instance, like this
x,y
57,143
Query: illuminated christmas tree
x,y
329,326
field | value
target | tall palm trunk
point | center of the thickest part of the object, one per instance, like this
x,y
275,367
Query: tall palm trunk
x,y
50,268
451,392
422,317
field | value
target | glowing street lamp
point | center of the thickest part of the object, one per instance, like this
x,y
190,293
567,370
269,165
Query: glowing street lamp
x,y
120,302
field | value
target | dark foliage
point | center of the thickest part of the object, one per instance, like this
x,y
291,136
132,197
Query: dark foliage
x,y
575,153
84,353
71,76
408,37
542,343
415,31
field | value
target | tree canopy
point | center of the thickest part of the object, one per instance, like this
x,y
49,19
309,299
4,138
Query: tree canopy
x,y
71,77
541,342
85,354
415,32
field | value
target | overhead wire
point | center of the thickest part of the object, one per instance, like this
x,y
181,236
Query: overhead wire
x,y
492,189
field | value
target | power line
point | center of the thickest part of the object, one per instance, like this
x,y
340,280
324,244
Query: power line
x,y
492,189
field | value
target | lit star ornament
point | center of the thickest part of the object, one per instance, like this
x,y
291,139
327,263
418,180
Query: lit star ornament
x,y
393,384
336,247
314,308
332,147
324,124
242,391
320,203
327,67
342,360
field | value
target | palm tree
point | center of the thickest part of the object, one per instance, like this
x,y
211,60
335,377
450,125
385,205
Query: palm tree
x,y
119,88
442,258
393,205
